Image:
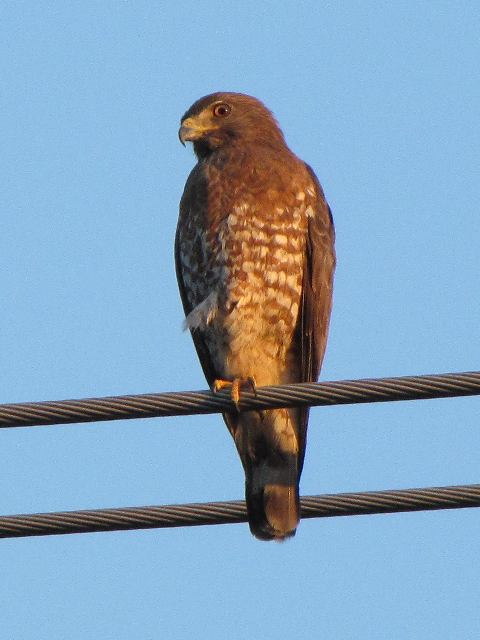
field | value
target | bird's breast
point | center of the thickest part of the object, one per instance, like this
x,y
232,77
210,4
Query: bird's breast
x,y
260,256
243,255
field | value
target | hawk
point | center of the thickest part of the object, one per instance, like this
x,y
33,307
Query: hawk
x,y
254,255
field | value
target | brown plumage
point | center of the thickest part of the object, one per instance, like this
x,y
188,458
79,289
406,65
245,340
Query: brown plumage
x,y
254,255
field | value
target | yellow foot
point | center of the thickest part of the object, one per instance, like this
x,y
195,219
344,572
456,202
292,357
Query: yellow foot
x,y
236,384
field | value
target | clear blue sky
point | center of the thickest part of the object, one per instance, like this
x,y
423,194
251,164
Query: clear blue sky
x,y
383,100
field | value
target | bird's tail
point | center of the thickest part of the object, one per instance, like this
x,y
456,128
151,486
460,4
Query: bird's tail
x,y
273,507
268,446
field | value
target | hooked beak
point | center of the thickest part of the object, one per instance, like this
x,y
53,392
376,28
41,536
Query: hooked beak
x,y
185,134
191,130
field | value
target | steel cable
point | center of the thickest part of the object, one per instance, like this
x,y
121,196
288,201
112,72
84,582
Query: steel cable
x,y
156,405
184,515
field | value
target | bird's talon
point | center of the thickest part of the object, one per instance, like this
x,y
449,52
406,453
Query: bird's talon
x,y
235,385
253,385
220,384
236,393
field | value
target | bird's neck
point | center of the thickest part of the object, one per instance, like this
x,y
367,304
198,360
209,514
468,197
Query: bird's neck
x,y
241,151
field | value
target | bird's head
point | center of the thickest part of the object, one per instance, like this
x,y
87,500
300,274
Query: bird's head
x,y
222,119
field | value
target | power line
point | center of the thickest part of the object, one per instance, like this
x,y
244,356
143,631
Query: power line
x,y
186,515
171,404
196,402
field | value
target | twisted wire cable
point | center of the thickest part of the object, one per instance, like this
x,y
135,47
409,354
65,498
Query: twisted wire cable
x,y
184,515
152,405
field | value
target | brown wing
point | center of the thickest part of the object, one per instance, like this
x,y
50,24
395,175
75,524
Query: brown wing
x,y
318,286
317,291
194,190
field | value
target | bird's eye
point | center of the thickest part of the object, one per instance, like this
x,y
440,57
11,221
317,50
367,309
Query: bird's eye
x,y
221,110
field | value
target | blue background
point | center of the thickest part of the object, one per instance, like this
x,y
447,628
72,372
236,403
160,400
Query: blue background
x,y
383,100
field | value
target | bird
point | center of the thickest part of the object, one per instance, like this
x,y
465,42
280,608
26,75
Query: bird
x,y
255,260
